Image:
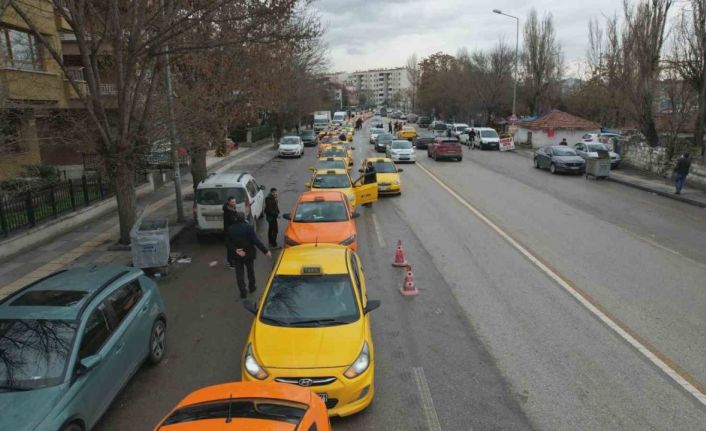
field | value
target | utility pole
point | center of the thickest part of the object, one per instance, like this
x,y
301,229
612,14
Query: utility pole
x,y
172,131
517,49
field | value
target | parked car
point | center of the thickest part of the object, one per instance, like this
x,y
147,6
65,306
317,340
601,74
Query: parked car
x,y
422,142
290,146
486,138
559,158
458,128
590,150
401,150
445,148
213,192
382,141
424,122
71,341
309,138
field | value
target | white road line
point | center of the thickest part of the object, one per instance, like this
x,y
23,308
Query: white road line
x,y
378,232
428,409
681,377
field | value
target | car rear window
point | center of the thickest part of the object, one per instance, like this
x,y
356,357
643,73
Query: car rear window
x,y
50,298
440,126
218,196
332,181
265,410
330,164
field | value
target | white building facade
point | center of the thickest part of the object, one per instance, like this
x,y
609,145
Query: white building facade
x,y
383,86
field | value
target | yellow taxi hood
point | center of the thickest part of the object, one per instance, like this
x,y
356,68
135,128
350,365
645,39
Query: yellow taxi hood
x,y
388,177
332,232
317,347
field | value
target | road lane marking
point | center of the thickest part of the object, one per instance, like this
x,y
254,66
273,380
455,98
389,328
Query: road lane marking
x,y
680,376
428,409
378,232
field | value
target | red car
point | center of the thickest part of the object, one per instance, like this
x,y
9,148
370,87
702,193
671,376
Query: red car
x,y
445,148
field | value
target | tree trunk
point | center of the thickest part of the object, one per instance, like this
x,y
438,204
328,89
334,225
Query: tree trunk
x,y
199,170
122,177
650,130
699,126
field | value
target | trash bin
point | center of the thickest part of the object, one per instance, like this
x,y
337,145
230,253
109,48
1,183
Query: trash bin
x,y
598,167
149,243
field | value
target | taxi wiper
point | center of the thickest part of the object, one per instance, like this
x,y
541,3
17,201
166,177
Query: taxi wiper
x,y
274,321
319,322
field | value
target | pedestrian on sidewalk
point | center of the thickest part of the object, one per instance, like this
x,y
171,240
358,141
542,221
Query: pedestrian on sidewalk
x,y
241,241
229,216
272,214
681,170
563,142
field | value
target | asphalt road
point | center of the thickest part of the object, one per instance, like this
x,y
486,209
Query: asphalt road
x,y
491,342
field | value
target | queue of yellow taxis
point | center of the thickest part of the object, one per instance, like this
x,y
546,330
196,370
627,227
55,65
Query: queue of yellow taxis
x,y
338,150
321,217
356,192
388,175
312,328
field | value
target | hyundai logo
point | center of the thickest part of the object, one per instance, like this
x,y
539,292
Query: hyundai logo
x,y
305,382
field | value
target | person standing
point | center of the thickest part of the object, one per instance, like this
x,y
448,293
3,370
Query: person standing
x,y
229,216
389,127
272,214
241,241
681,170
472,138
563,142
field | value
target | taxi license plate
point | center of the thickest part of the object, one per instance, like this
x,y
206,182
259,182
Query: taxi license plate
x,y
213,218
384,188
323,396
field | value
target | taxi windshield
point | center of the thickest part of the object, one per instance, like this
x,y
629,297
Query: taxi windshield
x,y
332,181
330,164
385,167
320,212
334,152
310,300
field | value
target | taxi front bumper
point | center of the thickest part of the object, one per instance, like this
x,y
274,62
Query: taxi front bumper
x,y
389,189
344,396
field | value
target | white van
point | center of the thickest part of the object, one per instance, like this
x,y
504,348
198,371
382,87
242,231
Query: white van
x,y
213,192
339,117
486,137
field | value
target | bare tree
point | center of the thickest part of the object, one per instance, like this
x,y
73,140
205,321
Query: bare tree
x,y
491,79
541,59
413,75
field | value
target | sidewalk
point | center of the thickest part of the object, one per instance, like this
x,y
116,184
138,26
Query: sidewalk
x,y
94,242
646,182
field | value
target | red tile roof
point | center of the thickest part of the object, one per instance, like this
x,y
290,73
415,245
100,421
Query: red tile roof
x,y
560,120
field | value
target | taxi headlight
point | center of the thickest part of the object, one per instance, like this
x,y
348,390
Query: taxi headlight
x,y
348,241
397,182
361,363
252,367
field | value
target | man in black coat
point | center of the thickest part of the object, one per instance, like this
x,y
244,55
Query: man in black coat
x,y
241,241
229,216
681,170
272,214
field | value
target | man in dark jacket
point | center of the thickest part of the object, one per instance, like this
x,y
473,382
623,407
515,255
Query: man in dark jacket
x,y
241,241
229,216
681,170
272,214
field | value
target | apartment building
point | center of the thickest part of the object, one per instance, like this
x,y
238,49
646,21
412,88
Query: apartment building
x,y
382,86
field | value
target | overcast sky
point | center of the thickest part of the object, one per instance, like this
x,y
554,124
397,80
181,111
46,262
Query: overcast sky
x,y
365,34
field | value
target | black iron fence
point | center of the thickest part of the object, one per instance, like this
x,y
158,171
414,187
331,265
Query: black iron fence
x,y
28,209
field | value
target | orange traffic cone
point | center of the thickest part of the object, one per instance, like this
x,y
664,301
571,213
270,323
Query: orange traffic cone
x,y
408,288
399,256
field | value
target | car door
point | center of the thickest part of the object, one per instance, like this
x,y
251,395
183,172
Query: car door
x,y
365,193
255,201
580,149
545,157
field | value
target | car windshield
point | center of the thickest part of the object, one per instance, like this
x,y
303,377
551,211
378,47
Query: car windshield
x,y
596,147
440,126
488,134
307,134
334,152
34,353
321,212
310,300
385,167
253,410
562,151
218,196
401,145
332,181
461,128
385,137
290,140
330,164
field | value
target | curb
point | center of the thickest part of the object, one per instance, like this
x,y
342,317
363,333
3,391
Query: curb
x,y
658,192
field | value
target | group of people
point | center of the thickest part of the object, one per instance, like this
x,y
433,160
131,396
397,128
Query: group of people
x,y
242,241
394,126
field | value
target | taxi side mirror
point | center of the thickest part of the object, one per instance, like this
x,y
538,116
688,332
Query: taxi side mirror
x,y
400,170
307,184
372,304
355,215
251,306
286,216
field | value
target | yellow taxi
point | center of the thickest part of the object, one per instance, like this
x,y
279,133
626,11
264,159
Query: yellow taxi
x,y
387,173
339,150
356,192
407,132
321,217
312,328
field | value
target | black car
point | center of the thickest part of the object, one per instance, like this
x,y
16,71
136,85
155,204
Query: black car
x,y
424,122
559,158
309,138
382,141
423,142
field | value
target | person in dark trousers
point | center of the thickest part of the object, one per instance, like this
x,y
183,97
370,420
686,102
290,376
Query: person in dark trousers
x,y
681,170
471,138
272,214
229,216
241,241
389,127
370,177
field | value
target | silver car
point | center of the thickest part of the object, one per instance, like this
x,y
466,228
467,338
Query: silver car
x,y
589,150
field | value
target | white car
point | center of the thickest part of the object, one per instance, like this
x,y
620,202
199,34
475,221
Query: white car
x,y
213,192
589,150
486,137
458,128
401,150
290,146
374,132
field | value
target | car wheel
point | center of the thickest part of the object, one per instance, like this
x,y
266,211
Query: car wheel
x,y
460,159
72,427
158,342
536,163
552,168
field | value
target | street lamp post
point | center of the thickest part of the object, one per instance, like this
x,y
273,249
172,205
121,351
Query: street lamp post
x,y
517,48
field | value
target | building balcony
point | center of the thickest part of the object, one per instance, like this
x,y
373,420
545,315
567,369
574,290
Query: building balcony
x,y
31,86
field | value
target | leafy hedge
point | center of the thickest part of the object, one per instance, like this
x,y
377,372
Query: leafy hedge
x,y
261,132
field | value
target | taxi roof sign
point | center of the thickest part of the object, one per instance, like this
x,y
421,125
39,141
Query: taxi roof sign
x,y
311,270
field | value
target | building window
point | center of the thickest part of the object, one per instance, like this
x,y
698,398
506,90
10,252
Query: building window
x,y
20,50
